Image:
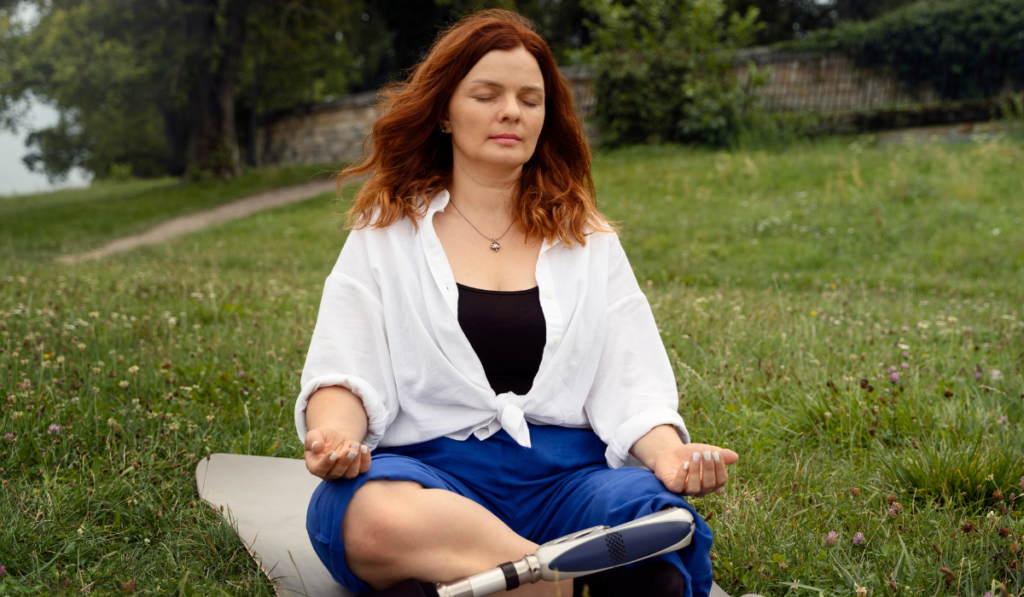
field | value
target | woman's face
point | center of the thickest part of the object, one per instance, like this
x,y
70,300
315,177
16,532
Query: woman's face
x,y
497,111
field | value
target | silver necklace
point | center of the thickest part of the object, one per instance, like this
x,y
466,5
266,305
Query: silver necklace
x,y
494,241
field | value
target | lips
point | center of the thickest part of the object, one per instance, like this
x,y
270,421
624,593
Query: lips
x,y
507,136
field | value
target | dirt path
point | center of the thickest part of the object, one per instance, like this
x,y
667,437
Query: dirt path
x,y
223,213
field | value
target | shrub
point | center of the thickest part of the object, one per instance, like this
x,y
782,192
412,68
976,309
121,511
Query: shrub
x,y
662,70
964,49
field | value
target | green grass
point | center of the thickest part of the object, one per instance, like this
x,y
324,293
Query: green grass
x,y
76,220
772,342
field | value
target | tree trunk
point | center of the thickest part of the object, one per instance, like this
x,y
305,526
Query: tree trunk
x,y
216,54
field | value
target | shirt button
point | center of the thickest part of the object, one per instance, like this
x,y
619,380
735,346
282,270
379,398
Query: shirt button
x,y
551,294
556,339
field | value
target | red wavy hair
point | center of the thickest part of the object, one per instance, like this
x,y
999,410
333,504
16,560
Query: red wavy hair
x,y
411,157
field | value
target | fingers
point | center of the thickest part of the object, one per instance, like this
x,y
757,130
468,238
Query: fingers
x,y
364,458
707,481
693,478
705,471
351,458
331,462
728,456
721,475
314,442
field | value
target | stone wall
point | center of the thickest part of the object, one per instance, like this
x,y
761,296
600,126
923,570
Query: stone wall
x,y
333,131
810,82
328,132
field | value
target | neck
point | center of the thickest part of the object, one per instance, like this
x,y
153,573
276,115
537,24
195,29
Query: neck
x,y
484,194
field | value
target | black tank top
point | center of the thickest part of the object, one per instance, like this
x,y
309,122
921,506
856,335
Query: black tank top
x,y
507,331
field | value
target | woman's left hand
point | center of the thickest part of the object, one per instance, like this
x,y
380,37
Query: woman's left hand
x,y
681,473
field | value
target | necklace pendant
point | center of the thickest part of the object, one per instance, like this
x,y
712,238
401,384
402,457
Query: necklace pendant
x,y
495,246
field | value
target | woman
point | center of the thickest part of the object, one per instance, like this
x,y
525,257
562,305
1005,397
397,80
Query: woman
x,y
497,361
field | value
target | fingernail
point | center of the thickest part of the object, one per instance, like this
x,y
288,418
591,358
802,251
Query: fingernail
x,y
707,456
686,465
364,449
351,455
716,456
313,447
333,456
696,456
354,447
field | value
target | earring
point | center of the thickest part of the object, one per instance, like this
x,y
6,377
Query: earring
x,y
444,129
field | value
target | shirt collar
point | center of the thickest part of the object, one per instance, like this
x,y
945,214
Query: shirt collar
x,y
438,203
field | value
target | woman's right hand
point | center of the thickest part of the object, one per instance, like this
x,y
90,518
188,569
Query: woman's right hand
x,y
330,455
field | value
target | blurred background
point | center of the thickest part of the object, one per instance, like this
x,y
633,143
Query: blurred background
x,y
111,89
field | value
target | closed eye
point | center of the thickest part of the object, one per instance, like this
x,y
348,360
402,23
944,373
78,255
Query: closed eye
x,y
487,99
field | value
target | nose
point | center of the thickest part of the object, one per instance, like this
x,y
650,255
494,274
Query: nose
x,y
510,109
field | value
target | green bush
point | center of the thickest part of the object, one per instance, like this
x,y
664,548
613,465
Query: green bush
x,y
964,49
662,70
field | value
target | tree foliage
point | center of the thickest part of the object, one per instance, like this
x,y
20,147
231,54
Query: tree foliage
x,y
662,70
963,49
152,85
161,86
793,19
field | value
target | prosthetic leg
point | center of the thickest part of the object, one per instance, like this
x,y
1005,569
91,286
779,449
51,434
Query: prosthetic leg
x,y
585,552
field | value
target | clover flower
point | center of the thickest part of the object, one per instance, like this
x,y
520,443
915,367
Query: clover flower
x,y
3,571
54,429
832,538
858,538
894,378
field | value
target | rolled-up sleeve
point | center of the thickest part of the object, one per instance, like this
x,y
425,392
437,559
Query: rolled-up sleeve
x,y
634,390
349,346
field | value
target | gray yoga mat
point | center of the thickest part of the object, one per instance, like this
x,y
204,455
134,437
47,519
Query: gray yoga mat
x,y
265,500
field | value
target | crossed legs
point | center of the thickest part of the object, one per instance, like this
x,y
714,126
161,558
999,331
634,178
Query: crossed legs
x,y
396,530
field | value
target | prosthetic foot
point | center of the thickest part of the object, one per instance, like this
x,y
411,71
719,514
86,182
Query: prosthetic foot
x,y
584,553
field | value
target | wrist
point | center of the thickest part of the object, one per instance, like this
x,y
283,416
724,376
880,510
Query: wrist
x,y
654,443
353,435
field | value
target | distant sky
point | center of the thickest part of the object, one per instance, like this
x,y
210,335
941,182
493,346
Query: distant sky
x,y
15,178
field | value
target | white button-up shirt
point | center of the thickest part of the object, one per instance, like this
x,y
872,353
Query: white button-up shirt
x,y
388,330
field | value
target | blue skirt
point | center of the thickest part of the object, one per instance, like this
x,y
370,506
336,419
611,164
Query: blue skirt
x,y
560,485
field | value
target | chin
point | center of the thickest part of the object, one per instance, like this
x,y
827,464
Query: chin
x,y
508,159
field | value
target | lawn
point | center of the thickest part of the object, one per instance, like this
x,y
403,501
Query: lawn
x,y
847,317
76,220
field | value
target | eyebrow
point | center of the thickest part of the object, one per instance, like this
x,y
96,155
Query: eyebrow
x,y
491,83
